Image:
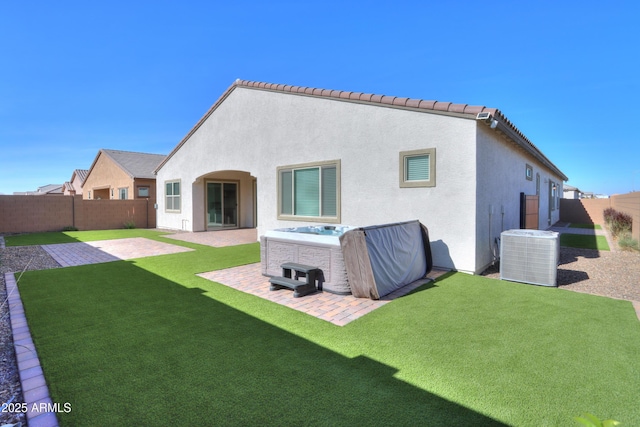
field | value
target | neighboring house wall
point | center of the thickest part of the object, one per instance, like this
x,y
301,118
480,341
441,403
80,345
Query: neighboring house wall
x,y
255,132
76,183
144,189
105,180
571,194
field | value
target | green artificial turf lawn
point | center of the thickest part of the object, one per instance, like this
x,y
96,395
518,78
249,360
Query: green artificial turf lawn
x,y
146,342
50,238
583,241
589,226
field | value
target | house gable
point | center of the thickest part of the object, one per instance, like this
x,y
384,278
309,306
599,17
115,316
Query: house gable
x,y
260,131
115,174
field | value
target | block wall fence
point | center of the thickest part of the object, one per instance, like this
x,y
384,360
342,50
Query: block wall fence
x,y
29,214
590,211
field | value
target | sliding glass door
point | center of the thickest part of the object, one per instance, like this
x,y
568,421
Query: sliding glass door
x,y
222,204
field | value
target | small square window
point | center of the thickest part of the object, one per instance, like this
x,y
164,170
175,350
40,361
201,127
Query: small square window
x,y
418,168
529,172
143,191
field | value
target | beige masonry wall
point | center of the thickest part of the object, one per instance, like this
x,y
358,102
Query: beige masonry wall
x,y
28,214
590,211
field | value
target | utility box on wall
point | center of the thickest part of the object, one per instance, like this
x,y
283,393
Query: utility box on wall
x,y
530,256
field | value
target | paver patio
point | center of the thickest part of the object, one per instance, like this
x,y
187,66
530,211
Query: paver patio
x,y
337,309
73,254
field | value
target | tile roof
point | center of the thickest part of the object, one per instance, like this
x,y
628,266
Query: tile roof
x,y
503,124
136,165
80,173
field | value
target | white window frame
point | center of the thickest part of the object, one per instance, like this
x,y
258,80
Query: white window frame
x,y
319,165
405,156
173,197
123,193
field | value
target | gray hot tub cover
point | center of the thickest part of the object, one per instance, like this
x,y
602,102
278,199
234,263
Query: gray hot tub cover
x,y
382,258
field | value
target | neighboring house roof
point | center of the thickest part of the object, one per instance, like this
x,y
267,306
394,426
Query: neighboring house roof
x,y
136,165
487,115
81,174
569,188
45,189
68,187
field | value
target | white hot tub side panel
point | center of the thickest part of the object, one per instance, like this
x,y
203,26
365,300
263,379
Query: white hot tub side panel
x,y
318,252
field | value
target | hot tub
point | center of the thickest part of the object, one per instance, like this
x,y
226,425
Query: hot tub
x,y
317,245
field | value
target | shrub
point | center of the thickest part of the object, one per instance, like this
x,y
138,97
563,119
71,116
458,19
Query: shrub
x,y
627,242
129,225
618,222
608,215
69,228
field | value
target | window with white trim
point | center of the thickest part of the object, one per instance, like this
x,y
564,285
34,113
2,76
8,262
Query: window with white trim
x,y
418,168
124,193
309,191
172,196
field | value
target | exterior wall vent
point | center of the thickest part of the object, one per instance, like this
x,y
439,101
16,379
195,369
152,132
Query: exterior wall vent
x,y
530,256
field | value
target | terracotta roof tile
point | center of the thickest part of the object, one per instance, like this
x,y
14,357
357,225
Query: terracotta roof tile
x,y
471,111
441,106
457,108
427,105
400,101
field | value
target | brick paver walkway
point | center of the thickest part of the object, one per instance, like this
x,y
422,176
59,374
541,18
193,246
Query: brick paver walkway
x,y
72,254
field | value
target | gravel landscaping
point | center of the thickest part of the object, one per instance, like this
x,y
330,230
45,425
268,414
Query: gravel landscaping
x,y
614,274
610,274
15,259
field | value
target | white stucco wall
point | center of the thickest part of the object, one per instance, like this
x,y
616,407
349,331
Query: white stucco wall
x,y
501,178
256,131
252,132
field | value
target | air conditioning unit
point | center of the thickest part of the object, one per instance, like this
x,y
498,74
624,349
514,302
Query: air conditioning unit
x,y
530,256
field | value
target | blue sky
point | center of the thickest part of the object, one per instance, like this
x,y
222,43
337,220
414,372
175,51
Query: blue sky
x,y
78,76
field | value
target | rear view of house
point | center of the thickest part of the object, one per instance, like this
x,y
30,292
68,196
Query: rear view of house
x,y
272,156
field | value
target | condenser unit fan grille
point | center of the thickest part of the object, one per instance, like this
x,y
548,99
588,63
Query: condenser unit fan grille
x,y
530,256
